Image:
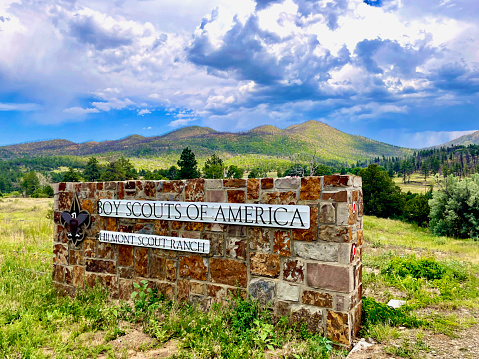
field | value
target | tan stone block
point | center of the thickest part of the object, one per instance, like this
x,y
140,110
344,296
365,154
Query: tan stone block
x,y
311,233
327,213
167,290
288,198
75,257
125,289
334,233
338,327
234,183
259,239
60,254
287,183
215,196
264,264
195,190
193,267
214,184
329,277
310,188
253,189
228,271
193,226
318,299
293,270
197,288
170,270
89,248
236,196
311,317
105,250
236,248
141,261
191,234
183,290
282,243
78,276
58,273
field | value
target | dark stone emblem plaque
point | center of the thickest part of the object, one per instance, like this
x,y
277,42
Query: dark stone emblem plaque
x,y
76,222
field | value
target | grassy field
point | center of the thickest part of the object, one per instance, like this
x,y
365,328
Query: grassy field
x,y
438,278
416,183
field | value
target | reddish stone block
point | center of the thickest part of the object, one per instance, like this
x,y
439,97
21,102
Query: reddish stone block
x,y
120,194
329,277
236,248
62,186
195,190
228,271
193,226
88,205
266,183
78,276
183,290
176,225
157,267
236,196
161,228
259,239
215,196
293,270
60,254
99,186
125,255
193,267
360,237
170,270
341,196
310,188
100,266
173,186
234,183
75,257
288,198
253,188
282,243
64,201
311,233
150,188
336,180
337,327
318,299
216,243
141,262
264,264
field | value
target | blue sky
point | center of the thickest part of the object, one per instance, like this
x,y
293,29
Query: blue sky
x,y
399,71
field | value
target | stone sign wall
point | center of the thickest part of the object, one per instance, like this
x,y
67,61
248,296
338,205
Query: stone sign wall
x,y
313,275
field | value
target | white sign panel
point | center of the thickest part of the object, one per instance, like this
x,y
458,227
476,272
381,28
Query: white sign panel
x,y
158,242
264,215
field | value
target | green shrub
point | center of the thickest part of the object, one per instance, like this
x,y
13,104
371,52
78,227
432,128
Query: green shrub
x,y
376,313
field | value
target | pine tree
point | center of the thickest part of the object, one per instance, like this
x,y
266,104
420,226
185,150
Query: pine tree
x,y
188,165
92,171
214,167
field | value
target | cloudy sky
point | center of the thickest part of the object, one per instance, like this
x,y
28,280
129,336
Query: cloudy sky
x,y
404,72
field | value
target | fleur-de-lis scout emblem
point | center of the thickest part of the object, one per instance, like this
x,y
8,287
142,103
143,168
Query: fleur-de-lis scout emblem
x,y
76,221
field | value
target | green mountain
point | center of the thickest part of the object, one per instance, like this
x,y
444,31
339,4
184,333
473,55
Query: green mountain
x,y
309,138
466,140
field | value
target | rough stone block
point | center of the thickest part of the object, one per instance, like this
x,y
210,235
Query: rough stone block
x,y
195,190
236,196
197,288
287,183
105,250
194,267
338,196
228,271
58,273
282,243
342,214
125,255
173,186
327,213
266,265
259,239
337,180
310,188
357,181
262,290
288,292
183,290
282,309
75,257
236,248
234,183
318,299
88,205
253,189
78,276
69,275
293,270
126,272
89,247
311,317
329,277
193,226
100,266
311,233
337,327
60,254
216,243
215,196
141,261
334,234
288,198
161,228
125,288
157,267
170,270
320,251
214,184
266,183
64,201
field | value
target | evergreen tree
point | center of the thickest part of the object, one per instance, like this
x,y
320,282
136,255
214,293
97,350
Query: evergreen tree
x,y
71,176
214,167
29,183
92,172
188,165
234,172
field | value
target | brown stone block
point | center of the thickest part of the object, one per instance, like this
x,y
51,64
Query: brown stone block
x,y
341,196
170,270
360,237
106,195
357,319
329,277
100,266
111,224
310,188
288,198
334,233
126,272
312,319
310,234
293,270
75,257
125,288
62,186
176,225
88,205
78,276
183,290
69,275
215,196
253,188
120,192
234,183
265,264
236,196
157,267
141,262
109,281
358,275
195,190
228,271
193,226
167,290
337,327
173,186
236,292
60,254
197,288
161,228
56,218
337,180
109,186
259,239
58,274
191,234
130,185
327,213
125,255
214,227
216,292
236,231
236,248
150,188
216,243
193,267
99,186
105,250
282,243
266,183
64,201
89,248
130,193
282,309
318,299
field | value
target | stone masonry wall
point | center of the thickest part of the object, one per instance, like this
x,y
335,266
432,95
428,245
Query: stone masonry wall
x,y
310,275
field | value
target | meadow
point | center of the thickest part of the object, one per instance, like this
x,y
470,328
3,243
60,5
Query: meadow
x,y
438,278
